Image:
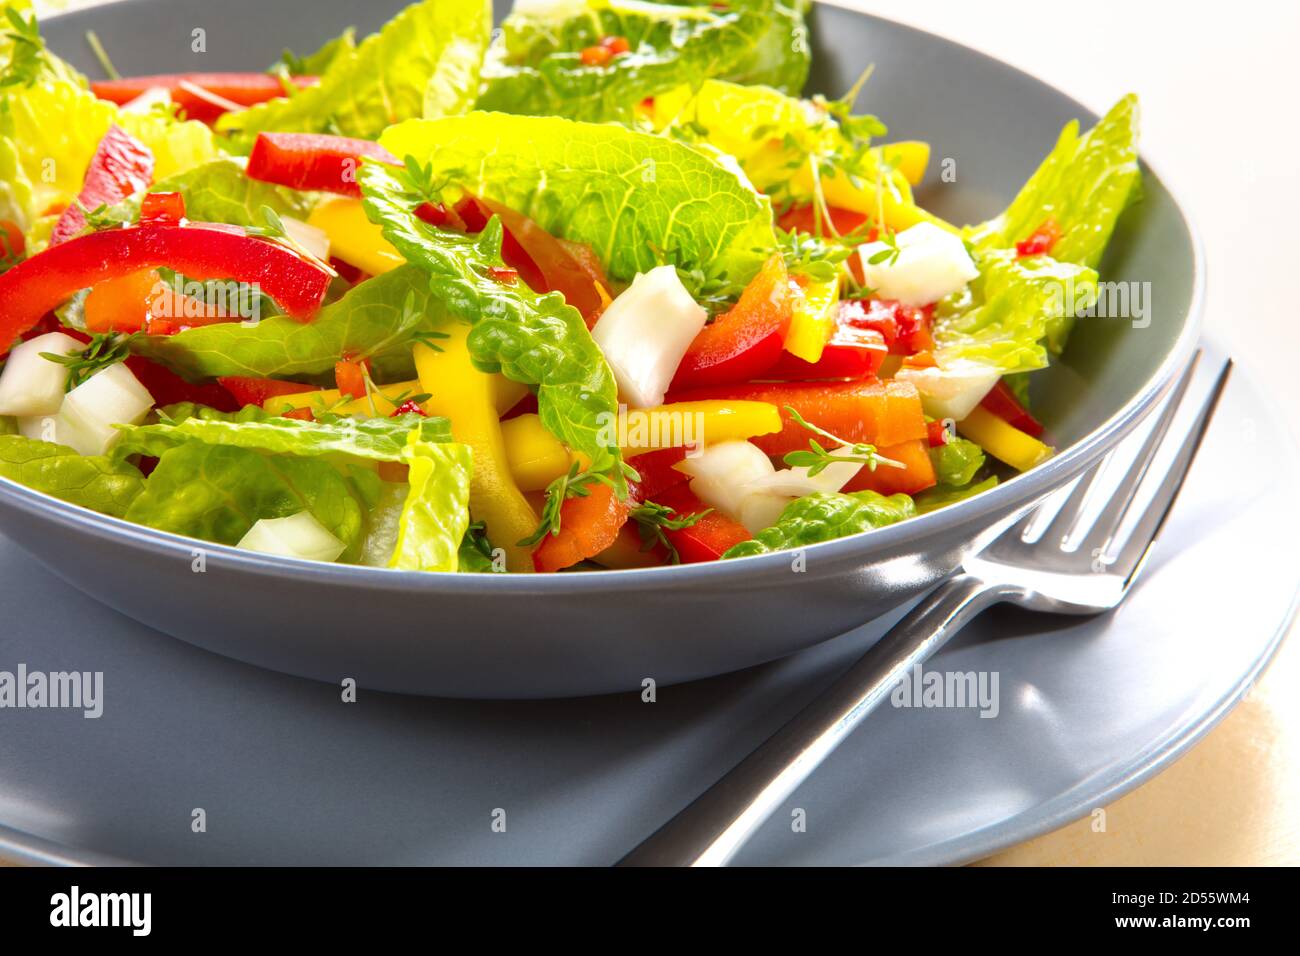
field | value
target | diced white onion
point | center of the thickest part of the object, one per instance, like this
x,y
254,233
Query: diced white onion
x,y
297,536
931,264
720,474
32,385
759,511
645,332
796,482
951,390
111,397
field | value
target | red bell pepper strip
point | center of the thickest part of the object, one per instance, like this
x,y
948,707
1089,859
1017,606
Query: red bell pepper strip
x,y
656,472
1040,241
168,388
121,167
313,161
882,413
198,251
350,378
255,391
906,329
706,540
747,341
588,525
917,472
544,263
604,51
162,207
242,89
844,221
852,353
1002,402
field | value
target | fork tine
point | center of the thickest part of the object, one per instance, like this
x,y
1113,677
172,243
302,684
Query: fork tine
x,y
1103,527
1133,554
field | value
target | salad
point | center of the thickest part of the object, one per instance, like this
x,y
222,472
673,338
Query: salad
x,y
599,291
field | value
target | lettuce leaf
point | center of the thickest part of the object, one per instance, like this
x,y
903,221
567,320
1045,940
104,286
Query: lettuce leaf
x,y
537,340
823,517
376,439
536,66
1014,313
95,482
957,461
323,466
319,62
636,199
220,191
218,492
49,132
1083,184
377,320
424,62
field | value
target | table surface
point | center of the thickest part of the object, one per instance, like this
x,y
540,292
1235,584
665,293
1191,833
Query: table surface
x,y
1204,77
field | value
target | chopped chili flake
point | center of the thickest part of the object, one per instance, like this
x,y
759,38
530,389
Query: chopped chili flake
x,y
409,407
504,276
1041,241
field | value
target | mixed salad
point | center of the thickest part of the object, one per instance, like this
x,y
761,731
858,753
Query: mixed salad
x,y
600,290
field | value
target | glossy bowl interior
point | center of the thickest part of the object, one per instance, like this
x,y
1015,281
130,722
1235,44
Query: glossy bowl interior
x,y
589,633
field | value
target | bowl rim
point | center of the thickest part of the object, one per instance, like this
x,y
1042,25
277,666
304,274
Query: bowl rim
x,y
983,508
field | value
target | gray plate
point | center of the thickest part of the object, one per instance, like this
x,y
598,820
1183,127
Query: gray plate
x,y
533,636
288,774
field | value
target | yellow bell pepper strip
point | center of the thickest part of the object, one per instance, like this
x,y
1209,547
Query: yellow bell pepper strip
x,y
461,393
909,157
1003,441
536,456
354,238
813,319
894,205
683,424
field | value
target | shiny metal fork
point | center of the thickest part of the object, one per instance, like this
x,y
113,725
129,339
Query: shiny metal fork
x,y
1076,566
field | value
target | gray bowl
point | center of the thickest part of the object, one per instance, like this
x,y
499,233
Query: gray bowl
x,y
590,633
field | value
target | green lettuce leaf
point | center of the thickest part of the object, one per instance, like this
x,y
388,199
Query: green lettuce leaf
x,y
220,191
537,340
325,466
1083,184
536,66
50,132
957,461
1015,312
374,439
823,517
95,482
218,492
940,496
424,62
636,199
320,62
378,320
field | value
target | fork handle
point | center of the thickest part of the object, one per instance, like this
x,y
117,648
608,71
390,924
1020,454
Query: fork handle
x,y
713,828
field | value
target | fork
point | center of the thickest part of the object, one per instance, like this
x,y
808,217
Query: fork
x,y
1076,566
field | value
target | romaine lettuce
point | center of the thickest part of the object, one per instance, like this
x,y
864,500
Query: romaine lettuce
x,y
1016,311
825,516
536,67
956,462
424,62
1083,184
537,340
638,200
237,468
377,320
94,482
